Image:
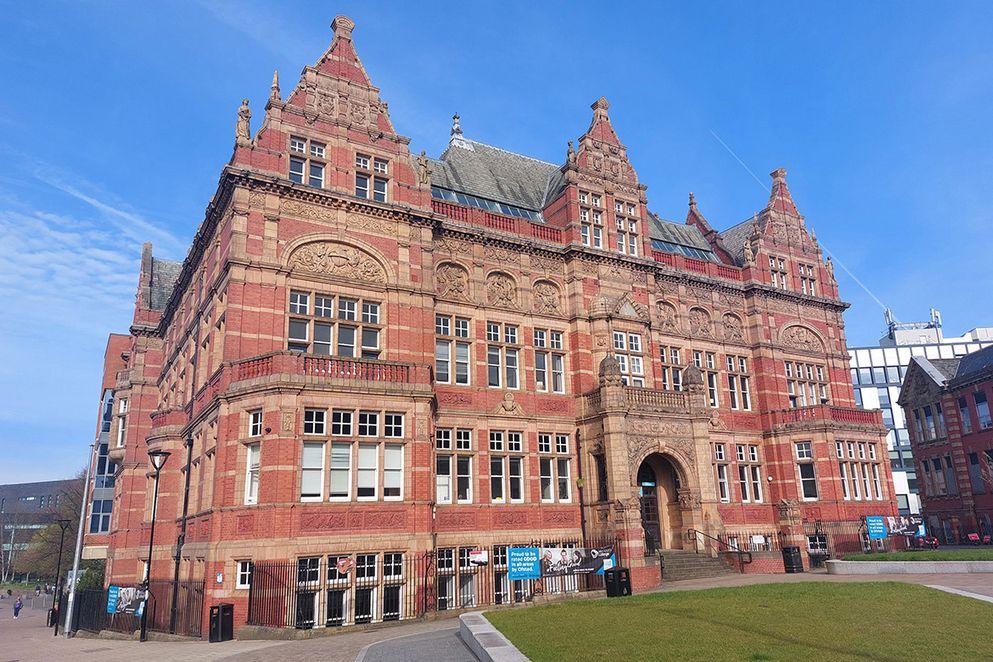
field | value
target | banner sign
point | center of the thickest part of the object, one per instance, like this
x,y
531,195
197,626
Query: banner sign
x,y
912,525
523,563
876,526
558,561
125,600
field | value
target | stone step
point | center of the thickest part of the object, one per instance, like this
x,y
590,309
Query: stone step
x,y
679,565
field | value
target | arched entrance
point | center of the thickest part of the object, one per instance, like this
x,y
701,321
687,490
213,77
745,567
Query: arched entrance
x,y
658,491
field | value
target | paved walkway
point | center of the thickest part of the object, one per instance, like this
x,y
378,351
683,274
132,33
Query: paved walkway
x,y
27,639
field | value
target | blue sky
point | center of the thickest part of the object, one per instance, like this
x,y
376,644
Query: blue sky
x,y
115,118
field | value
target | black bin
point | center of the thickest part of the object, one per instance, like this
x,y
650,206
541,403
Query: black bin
x,y
792,561
222,622
618,581
53,617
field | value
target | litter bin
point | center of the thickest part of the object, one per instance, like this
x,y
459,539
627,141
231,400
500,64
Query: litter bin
x,y
618,581
222,622
792,561
53,617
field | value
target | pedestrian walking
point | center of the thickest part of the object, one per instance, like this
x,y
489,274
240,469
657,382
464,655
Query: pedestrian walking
x,y
18,604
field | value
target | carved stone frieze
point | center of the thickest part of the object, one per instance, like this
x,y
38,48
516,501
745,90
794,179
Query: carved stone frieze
x,y
455,246
330,258
307,211
500,255
802,338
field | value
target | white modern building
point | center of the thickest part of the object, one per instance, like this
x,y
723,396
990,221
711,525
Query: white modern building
x,y
878,371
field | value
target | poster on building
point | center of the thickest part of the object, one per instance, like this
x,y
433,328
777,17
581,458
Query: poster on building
x,y
557,561
478,557
876,526
523,563
125,600
912,525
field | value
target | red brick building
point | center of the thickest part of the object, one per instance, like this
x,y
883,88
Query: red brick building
x,y
947,404
373,354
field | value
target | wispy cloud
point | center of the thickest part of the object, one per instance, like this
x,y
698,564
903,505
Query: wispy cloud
x,y
265,28
68,275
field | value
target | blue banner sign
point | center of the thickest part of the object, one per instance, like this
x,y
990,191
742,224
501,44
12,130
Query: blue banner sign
x,y
876,526
523,563
113,594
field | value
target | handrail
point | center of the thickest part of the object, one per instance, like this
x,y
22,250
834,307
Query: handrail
x,y
741,553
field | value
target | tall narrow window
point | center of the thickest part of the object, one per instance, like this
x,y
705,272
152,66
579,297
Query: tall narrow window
x,y
341,471
503,368
367,470
393,472
312,472
252,474
452,350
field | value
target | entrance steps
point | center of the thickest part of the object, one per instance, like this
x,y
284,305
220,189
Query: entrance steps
x,y
681,564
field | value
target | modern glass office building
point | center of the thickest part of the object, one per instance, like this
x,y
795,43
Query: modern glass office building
x,y
878,371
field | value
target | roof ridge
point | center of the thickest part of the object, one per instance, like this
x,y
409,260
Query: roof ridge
x,y
507,151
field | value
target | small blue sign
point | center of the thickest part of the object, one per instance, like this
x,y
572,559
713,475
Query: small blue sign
x,y
876,526
607,564
523,563
113,594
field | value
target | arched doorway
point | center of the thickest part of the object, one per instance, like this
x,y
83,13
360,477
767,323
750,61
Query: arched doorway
x,y
658,488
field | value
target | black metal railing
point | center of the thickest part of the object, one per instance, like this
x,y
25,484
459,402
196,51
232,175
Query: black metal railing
x,y
319,592
721,547
90,610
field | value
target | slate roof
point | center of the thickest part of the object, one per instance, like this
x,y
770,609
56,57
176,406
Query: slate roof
x,y
165,273
677,233
490,172
976,362
734,239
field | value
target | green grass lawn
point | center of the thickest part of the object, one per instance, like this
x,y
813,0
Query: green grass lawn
x,y
978,554
801,621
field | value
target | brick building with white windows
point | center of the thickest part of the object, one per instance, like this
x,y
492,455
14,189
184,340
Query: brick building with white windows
x,y
369,355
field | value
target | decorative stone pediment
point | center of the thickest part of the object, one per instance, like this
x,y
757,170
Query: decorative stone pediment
x,y
802,338
338,260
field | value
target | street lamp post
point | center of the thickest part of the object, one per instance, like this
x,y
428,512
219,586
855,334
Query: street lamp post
x,y
63,524
158,459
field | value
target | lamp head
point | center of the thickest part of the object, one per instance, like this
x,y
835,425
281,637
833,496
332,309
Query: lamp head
x,y
158,459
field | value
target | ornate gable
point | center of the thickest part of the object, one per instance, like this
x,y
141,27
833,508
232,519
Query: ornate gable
x,y
601,158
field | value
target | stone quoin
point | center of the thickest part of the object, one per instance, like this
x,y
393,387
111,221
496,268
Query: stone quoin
x,y
373,352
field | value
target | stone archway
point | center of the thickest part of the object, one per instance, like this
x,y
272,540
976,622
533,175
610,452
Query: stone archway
x,y
659,484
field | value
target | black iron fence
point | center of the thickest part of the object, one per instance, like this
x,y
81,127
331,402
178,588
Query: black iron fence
x,y
836,539
335,590
90,610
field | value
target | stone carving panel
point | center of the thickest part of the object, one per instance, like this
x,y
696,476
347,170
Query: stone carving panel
x,y
733,329
667,315
802,338
329,258
312,212
501,290
452,282
547,298
700,324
